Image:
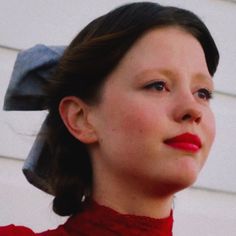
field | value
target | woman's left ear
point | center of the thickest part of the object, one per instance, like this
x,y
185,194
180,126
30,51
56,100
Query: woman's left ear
x,y
75,113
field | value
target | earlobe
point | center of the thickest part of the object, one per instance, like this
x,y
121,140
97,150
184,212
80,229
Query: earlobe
x,y
74,113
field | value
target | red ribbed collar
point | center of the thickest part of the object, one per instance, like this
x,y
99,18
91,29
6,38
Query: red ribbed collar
x,y
97,220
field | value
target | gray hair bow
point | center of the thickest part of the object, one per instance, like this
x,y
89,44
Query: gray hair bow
x,y
32,71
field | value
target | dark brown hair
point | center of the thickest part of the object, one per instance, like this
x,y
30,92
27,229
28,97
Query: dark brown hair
x,y
91,56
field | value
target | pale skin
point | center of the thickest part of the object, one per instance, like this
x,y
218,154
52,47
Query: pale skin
x,y
159,90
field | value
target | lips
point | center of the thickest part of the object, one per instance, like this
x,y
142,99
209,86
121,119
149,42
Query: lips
x,y
186,142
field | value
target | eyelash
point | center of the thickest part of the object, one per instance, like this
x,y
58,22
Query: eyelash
x,y
157,85
207,94
203,93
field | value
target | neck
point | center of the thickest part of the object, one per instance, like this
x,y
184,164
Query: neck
x,y
157,209
135,201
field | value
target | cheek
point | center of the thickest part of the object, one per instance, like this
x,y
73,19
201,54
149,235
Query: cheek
x,y
132,121
136,121
139,119
210,126
208,132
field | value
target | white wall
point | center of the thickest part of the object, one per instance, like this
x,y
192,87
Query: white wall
x,y
208,211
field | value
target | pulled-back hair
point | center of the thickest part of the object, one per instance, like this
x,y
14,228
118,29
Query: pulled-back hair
x,y
82,71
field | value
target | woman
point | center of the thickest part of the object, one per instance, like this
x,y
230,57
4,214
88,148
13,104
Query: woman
x,y
129,121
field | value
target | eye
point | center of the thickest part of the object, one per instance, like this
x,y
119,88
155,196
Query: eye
x,y
204,94
157,85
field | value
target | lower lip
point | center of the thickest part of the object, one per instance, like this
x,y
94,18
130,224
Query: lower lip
x,y
189,147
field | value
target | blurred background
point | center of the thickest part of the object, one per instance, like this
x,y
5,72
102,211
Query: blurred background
x,y
206,209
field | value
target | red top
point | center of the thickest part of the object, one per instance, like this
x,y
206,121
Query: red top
x,y
98,220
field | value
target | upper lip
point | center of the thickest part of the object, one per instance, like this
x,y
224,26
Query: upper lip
x,y
185,138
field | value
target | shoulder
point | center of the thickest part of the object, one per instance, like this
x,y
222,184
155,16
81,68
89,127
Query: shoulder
x,y
12,230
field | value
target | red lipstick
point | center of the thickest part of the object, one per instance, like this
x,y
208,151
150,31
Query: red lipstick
x,y
186,142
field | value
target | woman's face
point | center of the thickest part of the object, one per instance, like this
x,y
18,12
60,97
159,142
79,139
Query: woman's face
x,y
154,123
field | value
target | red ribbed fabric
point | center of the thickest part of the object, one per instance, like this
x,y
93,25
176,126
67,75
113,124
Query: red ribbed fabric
x,y
98,220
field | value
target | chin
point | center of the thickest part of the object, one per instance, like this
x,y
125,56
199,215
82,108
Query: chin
x,y
181,180
172,187
172,184
184,180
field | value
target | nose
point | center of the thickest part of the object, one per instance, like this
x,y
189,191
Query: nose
x,y
187,110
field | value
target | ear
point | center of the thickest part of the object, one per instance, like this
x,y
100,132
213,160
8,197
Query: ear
x,y
74,113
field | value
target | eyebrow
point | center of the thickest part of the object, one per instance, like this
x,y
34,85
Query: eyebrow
x,y
204,77
173,74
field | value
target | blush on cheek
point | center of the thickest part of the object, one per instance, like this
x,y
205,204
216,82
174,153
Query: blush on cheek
x,y
137,121
211,128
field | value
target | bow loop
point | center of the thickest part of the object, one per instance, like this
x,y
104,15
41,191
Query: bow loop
x,y
32,71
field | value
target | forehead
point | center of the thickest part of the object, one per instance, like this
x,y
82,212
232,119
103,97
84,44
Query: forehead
x,y
164,43
169,48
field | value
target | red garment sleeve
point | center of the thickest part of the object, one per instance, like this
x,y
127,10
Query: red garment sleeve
x,y
12,230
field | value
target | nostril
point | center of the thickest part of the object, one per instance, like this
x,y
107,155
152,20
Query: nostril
x,y
186,117
198,119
